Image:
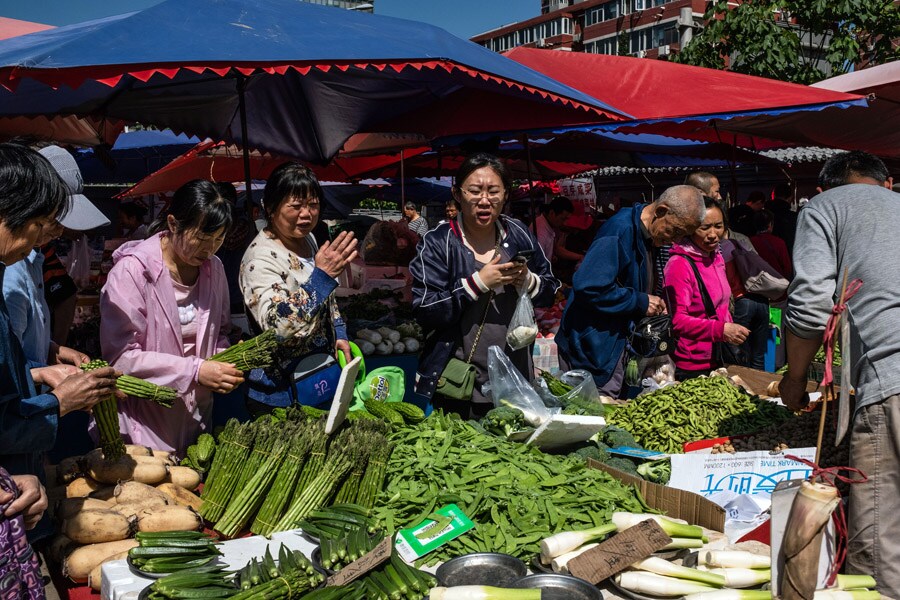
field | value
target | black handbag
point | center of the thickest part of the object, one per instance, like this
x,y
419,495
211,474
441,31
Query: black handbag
x,y
723,353
652,336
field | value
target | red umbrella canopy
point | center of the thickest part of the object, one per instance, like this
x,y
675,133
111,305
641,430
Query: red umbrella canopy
x,y
691,102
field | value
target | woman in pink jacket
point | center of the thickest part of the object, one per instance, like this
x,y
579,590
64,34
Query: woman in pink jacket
x,y
699,308
165,311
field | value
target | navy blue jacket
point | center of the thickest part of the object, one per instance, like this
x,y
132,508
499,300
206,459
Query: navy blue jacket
x,y
609,292
444,286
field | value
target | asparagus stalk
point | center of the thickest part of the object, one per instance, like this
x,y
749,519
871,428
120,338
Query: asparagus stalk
x,y
279,496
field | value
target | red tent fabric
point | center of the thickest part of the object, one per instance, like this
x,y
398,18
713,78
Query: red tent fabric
x,y
704,104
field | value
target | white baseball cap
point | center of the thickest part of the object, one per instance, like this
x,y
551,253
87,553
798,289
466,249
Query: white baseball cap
x,y
82,214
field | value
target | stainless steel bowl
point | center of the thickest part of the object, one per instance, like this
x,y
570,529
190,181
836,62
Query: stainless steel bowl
x,y
486,568
560,587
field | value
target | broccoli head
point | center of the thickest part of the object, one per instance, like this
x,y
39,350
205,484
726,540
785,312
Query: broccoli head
x,y
657,471
591,451
623,464
504,420
614,436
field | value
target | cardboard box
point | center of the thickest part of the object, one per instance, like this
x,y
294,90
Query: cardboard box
x,y
758,381
679,504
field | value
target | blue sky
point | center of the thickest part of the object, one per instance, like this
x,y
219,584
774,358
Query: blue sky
x,y
464,18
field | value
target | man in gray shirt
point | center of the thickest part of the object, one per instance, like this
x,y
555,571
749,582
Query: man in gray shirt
x,y
416,222
853,226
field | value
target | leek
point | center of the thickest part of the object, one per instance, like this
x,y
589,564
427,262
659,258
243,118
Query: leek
x,y
483,592
731,595
659,585
847,582
624,520
560,563
733,558
678,543
566,541
846,595
664,567
739,577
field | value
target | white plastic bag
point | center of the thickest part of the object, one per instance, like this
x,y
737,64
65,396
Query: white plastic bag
x,y
523,328
79,266
510,388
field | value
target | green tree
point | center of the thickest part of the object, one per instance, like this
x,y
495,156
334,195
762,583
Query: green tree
x,y
817,35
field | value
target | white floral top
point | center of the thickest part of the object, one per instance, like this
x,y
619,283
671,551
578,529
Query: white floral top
x,y
291,295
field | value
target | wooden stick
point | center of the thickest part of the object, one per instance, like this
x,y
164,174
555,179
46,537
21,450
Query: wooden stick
x,y
828,392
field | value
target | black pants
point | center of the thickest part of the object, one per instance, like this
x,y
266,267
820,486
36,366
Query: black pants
x,y
752,312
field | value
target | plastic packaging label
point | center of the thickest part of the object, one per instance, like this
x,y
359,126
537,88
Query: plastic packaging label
x,y
416,542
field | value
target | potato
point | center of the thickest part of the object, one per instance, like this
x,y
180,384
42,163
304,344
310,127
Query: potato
x,y
79,564
135,450
186,477
82,486
145,469
131,492
93,526
71,506
96,576
180,496
169,518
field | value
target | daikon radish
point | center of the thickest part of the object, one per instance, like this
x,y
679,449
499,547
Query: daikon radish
x,y
134,492
71,506
95,577
180,496
135,450
79,564
94,526
185,477
169,518
145,469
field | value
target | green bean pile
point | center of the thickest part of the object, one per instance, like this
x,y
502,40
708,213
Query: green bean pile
x,y
697,409
515,494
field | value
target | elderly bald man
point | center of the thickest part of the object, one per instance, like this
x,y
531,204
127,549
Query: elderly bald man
x,y
612,287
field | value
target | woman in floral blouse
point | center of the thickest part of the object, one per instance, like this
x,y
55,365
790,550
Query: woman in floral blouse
x,y
287,281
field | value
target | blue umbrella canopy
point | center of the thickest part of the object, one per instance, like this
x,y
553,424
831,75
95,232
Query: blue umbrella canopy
x,y
309,76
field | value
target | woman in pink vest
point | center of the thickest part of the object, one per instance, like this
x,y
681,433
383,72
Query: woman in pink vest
x,y
698,294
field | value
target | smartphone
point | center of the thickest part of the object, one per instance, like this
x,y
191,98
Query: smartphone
x,y
523,256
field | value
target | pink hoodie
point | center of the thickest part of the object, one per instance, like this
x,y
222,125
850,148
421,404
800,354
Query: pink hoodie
x,y
696,332
140,335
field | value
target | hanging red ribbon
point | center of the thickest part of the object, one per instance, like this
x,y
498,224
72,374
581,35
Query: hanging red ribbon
x,y
829,338
830,475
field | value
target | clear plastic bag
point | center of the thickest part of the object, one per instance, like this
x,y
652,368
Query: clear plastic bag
x,y
523,328
510,388
583,392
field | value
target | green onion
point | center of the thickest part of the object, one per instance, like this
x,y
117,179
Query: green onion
x,y
483,592
847,582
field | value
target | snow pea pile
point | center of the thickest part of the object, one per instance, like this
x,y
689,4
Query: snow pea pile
x,y
515,494
697,409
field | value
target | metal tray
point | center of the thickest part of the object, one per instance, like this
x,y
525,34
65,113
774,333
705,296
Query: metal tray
x,y
144,574
316,559
483,568
560,587
538,567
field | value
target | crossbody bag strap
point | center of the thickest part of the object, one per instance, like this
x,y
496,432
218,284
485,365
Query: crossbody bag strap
x,y
487,308
704,294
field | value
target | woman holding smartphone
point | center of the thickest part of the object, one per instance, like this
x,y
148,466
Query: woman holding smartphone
x,y
466,280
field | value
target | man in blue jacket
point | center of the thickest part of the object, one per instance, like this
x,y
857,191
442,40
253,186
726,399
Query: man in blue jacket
x,y
611,287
